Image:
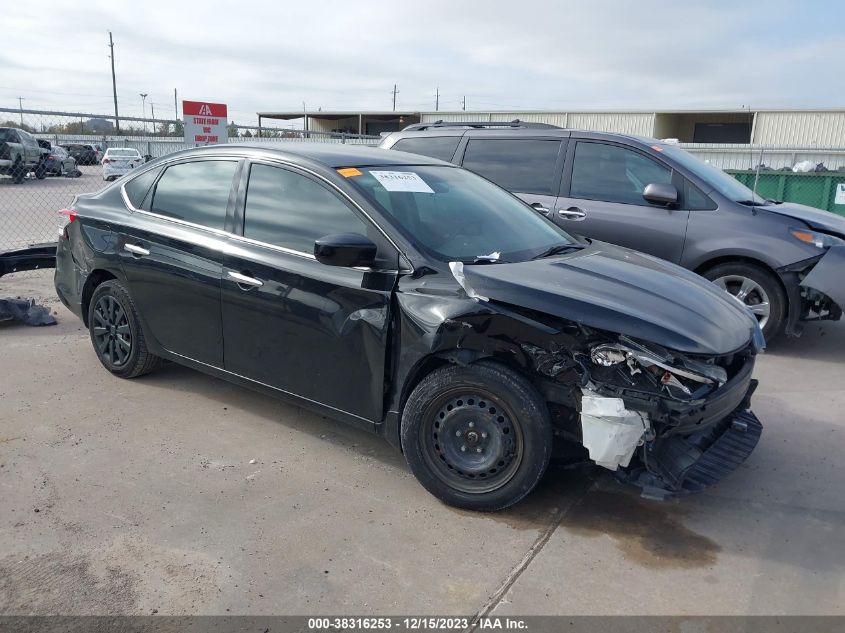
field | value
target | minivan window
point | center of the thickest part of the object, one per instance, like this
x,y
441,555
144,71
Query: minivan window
x,y
290,210
442,147
196,192
724,183
611,173
138,188
518,165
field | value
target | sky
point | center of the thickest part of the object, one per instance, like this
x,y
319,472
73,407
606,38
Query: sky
x,y
527,55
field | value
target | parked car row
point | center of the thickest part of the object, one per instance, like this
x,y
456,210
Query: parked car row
x,y
419,300
21,153
655,197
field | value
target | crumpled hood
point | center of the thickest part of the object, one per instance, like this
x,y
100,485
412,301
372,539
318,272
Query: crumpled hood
x,y
818,219
620,290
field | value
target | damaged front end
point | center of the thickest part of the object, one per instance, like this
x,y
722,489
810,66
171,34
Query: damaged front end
x,y
815,288
670,423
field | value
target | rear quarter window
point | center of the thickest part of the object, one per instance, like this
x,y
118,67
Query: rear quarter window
x,y
441,147
138,188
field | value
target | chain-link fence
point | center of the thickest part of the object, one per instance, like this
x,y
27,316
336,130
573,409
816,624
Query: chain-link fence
x,y
64,153
811,176
46,158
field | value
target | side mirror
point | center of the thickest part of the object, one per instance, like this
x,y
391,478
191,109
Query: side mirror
x,y
661,193
345,249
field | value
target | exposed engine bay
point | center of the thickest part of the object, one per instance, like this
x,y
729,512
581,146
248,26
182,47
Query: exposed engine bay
x,y
668,422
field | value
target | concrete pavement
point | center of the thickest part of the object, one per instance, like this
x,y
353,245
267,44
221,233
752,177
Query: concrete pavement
x,y
183,494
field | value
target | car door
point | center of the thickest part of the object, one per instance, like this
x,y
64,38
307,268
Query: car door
x,y
171,252
527,167
290,322
31,148
601,198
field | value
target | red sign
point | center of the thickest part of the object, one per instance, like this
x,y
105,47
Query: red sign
x,y
200,108
205,123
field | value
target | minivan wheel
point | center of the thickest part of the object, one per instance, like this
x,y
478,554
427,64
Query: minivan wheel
x,y
758,289
477,436
116,334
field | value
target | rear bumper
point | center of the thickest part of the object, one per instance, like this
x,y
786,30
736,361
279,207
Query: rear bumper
x,y
31,258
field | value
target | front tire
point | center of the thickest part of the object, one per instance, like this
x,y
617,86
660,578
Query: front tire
x,y
758,289
115,331
478,436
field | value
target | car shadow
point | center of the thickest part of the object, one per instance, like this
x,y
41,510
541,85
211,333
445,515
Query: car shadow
x,y
822,340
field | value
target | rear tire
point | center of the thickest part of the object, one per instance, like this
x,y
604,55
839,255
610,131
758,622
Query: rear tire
x,y
116,334
41,171
477,437
759,289
18,172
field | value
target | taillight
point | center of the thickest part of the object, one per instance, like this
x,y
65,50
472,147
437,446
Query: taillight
x,y
51,157
71,217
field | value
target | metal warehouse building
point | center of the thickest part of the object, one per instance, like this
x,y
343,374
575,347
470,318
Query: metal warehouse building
x,y
794,128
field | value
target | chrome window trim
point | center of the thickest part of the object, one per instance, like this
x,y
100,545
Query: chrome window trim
x,y
272,159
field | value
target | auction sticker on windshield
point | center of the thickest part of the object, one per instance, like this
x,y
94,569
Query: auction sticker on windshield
x,y
406,181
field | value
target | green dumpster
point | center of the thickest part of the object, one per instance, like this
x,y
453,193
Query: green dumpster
x,y
822,189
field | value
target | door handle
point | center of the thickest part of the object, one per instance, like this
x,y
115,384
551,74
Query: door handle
x,y
572,213
136,250
245,280
539,208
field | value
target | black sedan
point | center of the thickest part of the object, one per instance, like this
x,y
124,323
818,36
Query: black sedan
x,y
415,299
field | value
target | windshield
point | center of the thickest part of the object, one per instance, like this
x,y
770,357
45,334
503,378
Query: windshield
x,y
454,215
128,153
724,183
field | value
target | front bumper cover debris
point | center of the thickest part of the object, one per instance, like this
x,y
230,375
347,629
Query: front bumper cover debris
x,y
678,465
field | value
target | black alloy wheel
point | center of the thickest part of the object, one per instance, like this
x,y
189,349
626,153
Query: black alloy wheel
x,y
116,333
111,332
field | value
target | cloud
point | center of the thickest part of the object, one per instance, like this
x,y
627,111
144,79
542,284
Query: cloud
x,y
530,55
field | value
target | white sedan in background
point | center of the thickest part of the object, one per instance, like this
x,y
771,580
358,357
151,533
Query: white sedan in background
x,y
118,161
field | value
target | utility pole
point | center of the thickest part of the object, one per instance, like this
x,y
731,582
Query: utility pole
x,y
114,85
175,107
436,99
144,108
395,92
20,107
153,108
464,103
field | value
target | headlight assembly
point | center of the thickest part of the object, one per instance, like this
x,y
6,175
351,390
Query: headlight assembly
x,y
815,238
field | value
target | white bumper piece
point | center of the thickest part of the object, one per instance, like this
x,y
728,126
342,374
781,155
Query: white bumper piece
x,y
610,431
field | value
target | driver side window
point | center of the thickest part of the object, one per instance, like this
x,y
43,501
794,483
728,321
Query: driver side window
x,y
613,174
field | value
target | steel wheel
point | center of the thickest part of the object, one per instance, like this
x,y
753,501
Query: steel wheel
x,y
471,441
750,293
111,332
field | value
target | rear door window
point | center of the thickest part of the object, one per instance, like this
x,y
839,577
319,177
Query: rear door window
x,y
611,173
196,192
518,165
442,147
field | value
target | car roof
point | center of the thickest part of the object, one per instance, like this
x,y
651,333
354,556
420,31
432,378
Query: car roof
x,y
327,154
457,129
